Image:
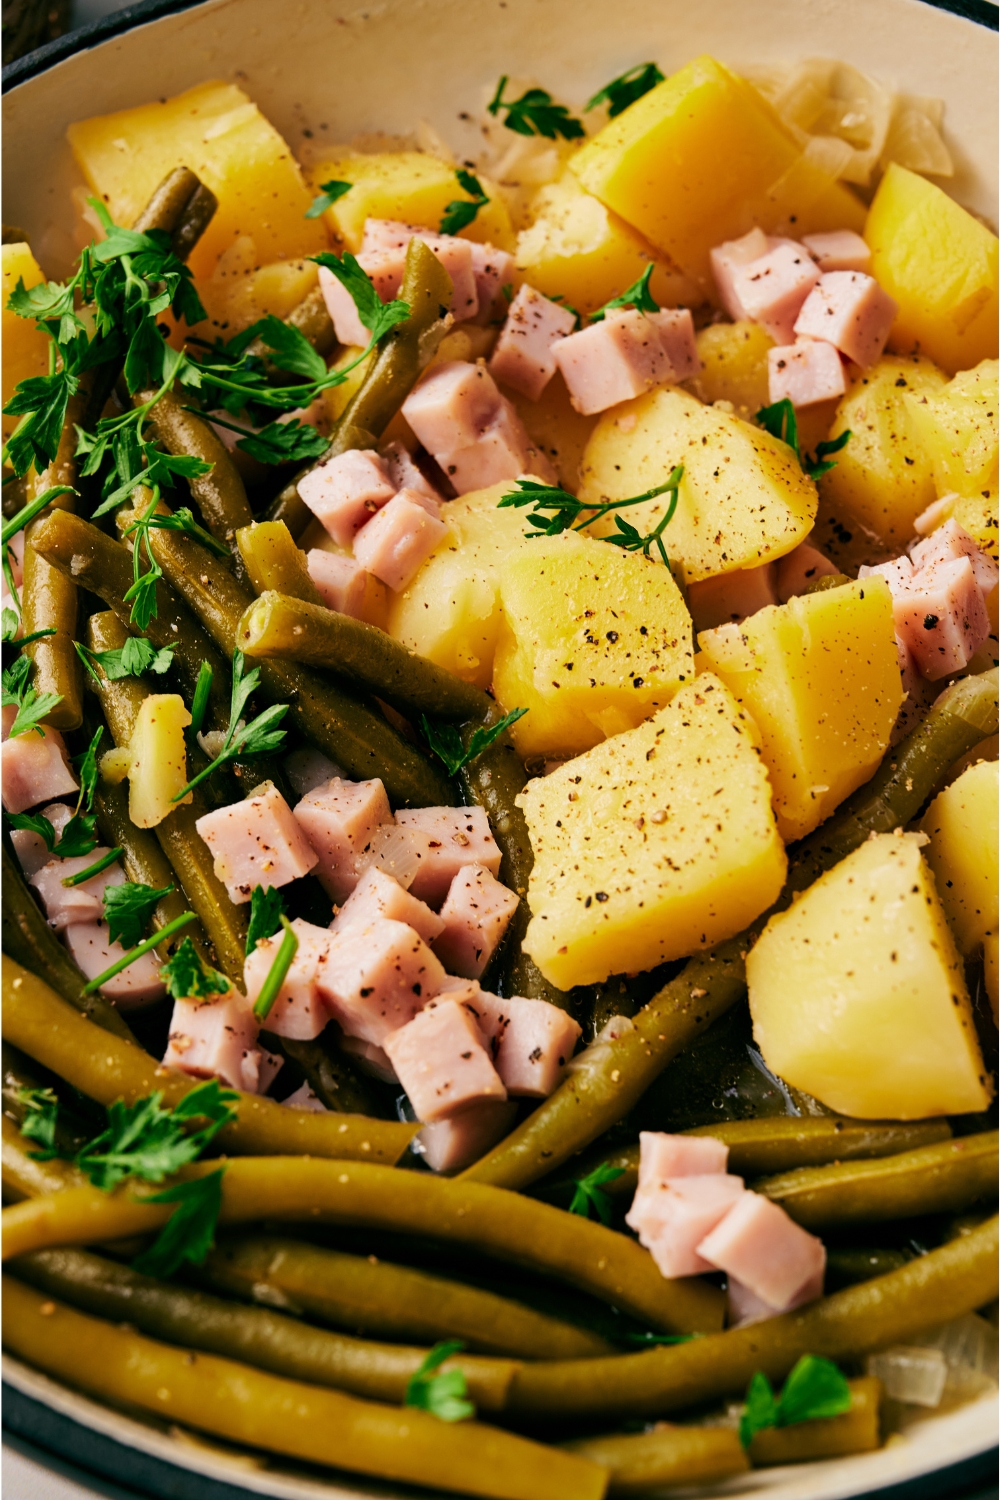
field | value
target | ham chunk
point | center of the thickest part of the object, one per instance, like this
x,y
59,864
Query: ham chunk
x,y
453,406
342,581
773,288
66,905
523,356
838,250
851,311
300,1011
31,849
758,1244
493,269
804,373
743,1306
441,1062
378,895
35,768
339,819
260,1069
726,258
401,537
530,1041
404,473
450,1145
383,258
345,492
378,977
942,617
799,568
662,1156
729,598
304,1098
952,541
215,1038
624,355
502,452
256,842
92,951
676,327
672,1217
475,915
451,839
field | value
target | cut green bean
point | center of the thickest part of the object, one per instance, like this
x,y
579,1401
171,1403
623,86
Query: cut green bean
x,y
220,494
24,1176
846,1267
855,1431
666,1456
312,320
273,561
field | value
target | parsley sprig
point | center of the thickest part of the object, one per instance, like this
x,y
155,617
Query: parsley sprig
x,y
18,692
556,510
460,213
626,88
815,1388
189,1233
535,114
165,932
258,737
443,1393
266,912
329,193
780,421
40,1121
446,741
131,660
637,295
128,908
279,442
142,594
188,977
588,1192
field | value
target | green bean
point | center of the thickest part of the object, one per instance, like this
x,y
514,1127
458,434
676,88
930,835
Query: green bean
x,y
666,1456
389,1301
273,561
933,1288
278,626
262,1337
846,1267
855,1431
389,377
256,1408
220,494
24,1176
19,1079
329,1073
609,1077
312,320
933,1179
106,1068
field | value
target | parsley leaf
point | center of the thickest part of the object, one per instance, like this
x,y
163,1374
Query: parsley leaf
x,y
626,88
279,442
535,114
819,463
815,1388
79,836
290,349
445,1395
266,912
780,421
16,692
42,401
460,213
40,1121
258,737
570,514
34,823
9,622
637,295
131,660
328,195
377,316
128,908
189,1233
446,741
188,978
148,1142
588,1192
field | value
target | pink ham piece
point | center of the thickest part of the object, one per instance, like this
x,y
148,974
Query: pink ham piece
x,y
377,977
339,819
344,493
677,338
849,310
662,1156
405,473
300,1011
493,269
256,842
726,258
804,373
304,1098
215,1038
449,1145
383,258
625,354
743,1306
838,250
475,915
453,406
370,1059
503,451
342,581
799,568
522,357
92,951
729,598
758,1244
952,541
65,905
260,1069
401,537
672,1217
942,617
31,849
378,895
35,768
530,1041
441,1062
773,288
451,839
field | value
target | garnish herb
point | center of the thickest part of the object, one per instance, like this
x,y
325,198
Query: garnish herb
x,y
626,88
815,1388
34,823
446,742
17,691
508,292
40,1121
186,976
189,1233
202,693
256,738
570,514
460,213
637,295
128,908
377,316
148,1142
329,193
588,1192
780,421
95,869
445,1395
142,594
277,973
266,912
279,442
129,958
79,836
131,660
535,114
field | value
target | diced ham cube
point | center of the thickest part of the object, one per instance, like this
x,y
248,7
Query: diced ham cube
x,y
256,842
949,542
462,989
804,373
613,360
475,915
758,1244
401,537
441,1062
530,1041
31,849
260,1069
300,1010
942,617
378,895
215,1038
66,905
726,258
773,289
378,977
677,337
450,1145
838,250
743,1306
404,472
92,951
453,406
493,269
502,452
304,1098
370,1059
662,1156
387,234
851,311
345,492
673,1216
522,357
729,598
307,769
397,852
35,769
384,261
342,581
898,574
451,839
339,819
799,568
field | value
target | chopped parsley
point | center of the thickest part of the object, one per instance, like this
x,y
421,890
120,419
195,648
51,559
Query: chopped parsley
x,y
258,737
637,295
128,908
815,1388
187,977
555,510
443,1393
535,114
130,660
626,88
329,193
446,741
588,1192
266,912
460,213
780,421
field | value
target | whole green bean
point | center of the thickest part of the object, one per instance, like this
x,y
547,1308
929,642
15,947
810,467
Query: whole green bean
x,y
933,1288
855,1431
273,561
845,1267
220,494
253,1407
24,1176
107,1068
933,1179
329,1073
610,1076
311,319
262,1337
389,1301
668,1455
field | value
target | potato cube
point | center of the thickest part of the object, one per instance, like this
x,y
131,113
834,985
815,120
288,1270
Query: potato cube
x,y
555,429
158,766
25,350
961,824
654,845
858,993
940,265
592,642
700,158
820,678
744,499
957,428
409,186
734,366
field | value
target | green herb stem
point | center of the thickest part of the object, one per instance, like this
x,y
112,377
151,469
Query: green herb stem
x,y
277,973
137,952
94,869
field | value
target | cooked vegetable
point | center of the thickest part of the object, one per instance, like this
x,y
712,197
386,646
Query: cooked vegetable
x,y
24,1176
962,853
957,428
48,596
411,186
219,494
856,1431
157,773
815,1388
667,1455
310,318
734,366
273,561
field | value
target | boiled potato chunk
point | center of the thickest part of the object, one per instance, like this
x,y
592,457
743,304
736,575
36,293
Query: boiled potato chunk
x,y
592,641
25,350
961,824
654,845
940,264
744,499
158,764
701,158
991,972
240,291
858,993
406,185
734,366
555,429
820,678
957,427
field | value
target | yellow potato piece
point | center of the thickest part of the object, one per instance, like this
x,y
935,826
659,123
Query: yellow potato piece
x,y
961,824
158,766
820,678
701,158
733,366
555,429
239,291
858,992
991,972
25,350
656,844
978,515
957,428
406,185
592,641
744,499
940,264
